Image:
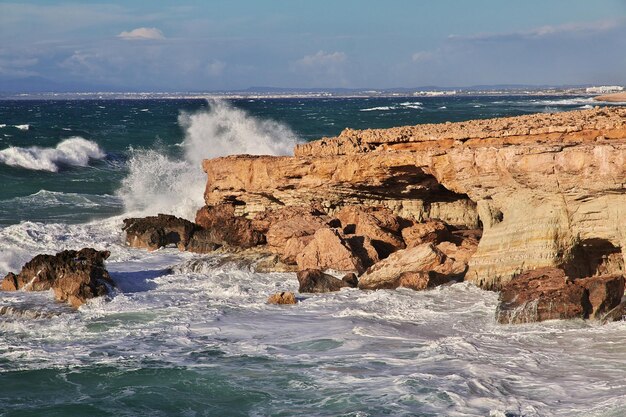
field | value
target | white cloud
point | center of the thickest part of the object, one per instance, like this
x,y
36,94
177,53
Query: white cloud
x,y
422,56
322,59
142,34
215,68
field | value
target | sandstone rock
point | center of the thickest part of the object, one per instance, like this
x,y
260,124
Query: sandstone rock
x,y
542,184
284,297
363,248
379,224
387,273
548,294
290,230
329,250
421,280
154,232
431,231
75,276
225,228
316,281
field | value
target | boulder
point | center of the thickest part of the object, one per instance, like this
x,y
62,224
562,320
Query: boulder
x,y
74,276
548,294
431,231
284,297
329,250
290,230
387,273
225,228
154,232
379,224
202,241
351,279
316,281
421,280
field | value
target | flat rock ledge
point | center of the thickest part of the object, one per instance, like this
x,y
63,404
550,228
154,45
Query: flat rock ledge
x,y
74,276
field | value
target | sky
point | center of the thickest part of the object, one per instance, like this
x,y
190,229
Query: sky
x,y
215,45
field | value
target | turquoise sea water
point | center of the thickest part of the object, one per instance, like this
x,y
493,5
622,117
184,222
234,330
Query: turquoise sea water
x,y
187,335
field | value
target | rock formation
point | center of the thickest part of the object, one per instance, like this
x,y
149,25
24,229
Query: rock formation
x,y
548,190
316,281
284,297
548,294
74,276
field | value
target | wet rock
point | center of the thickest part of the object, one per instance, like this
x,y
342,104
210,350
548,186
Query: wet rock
x,y
379,224
351,279
316,281
225,228
202,241
154,232
431,231
548,294
605,293
421,280
387,273
284,297
74,276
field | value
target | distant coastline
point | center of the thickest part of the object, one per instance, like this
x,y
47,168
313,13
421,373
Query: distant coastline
x,y
314,93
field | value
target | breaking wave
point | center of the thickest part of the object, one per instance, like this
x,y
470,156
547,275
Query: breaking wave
x,y
161,183
75,151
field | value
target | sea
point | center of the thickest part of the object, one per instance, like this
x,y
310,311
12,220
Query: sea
x,y
191,335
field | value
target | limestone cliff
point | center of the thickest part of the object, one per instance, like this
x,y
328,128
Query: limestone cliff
x,y
548,189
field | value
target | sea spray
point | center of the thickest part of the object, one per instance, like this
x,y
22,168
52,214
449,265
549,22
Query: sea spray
x,y
161,183
75,151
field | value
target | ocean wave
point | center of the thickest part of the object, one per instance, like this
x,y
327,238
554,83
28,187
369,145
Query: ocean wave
x,y
159,183
22,127
380,108
75,151
49,199
2,125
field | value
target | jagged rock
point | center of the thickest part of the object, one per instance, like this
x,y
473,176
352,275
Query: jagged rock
x,y
387,273
421,280
75,276
289,231
284,297
154,232
605,293
202,241
379,224
544,185
316,281
548,294
225,228
329,250
431,231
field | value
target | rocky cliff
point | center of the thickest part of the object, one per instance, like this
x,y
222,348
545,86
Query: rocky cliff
x,y
547,189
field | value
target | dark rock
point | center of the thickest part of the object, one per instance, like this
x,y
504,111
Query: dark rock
x,y
547,294
202,241
154,232
316,281
225,228
75,276
351,279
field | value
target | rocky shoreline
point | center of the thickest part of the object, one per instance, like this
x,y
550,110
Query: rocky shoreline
x,y
533,206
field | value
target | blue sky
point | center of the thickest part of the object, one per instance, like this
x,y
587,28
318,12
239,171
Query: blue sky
x,y
215,45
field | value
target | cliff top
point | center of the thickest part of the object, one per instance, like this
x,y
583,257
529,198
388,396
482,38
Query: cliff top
x,y
577,126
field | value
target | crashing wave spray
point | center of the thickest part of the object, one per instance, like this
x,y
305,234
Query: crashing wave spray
x,y
74,151
158,183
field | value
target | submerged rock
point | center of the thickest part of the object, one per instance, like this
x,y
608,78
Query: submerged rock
x,y
548,294
316,281
154,232
284,297
74,276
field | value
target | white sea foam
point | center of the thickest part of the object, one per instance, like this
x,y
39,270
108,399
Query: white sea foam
x,y
75,151
380,108
22,127
161,183
2,125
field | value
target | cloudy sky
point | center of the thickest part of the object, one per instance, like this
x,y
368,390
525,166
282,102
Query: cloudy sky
x,y
233,44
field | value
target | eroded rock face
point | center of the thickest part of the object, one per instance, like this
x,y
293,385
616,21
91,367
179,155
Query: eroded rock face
x,y
225,228
154,232
75,276
548,294
329,250
540,186
316,281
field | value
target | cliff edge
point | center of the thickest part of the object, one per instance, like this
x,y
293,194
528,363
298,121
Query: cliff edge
x,y
548,190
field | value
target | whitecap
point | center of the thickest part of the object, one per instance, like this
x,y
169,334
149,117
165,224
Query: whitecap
x,y
75,151
380,108
22,127
2,125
